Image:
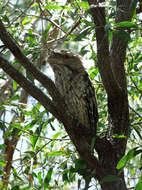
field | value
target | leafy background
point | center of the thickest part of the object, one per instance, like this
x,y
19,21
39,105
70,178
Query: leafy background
x,y
44,157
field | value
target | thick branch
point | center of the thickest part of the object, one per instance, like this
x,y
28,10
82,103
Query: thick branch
x,y
124,12
72,126
45,81
117,96
104,63
118,109
28,86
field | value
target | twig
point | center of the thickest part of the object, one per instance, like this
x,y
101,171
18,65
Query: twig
x,y
135,112
28,86
140,91
15,18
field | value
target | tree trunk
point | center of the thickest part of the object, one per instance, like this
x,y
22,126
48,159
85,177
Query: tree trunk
x,y
116,185
111,57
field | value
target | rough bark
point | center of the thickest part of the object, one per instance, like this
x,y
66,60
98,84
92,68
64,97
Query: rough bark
x,y
111,67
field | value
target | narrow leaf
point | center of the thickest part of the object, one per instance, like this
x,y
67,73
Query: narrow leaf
x,y
58,153
2,163
56,7
48,177
131,154
14,85
139,184
126,24
92,144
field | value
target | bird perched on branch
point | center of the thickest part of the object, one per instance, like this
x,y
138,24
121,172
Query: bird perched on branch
x,y
74,85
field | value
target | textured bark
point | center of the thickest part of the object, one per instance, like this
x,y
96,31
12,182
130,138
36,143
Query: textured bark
x,y
114,185
111,67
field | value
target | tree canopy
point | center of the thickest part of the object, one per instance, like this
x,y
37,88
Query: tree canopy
x,y
41,145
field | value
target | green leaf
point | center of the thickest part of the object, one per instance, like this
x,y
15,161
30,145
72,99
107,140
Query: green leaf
x,y
132,171
139,184
34,138
26,20
34,5
16,175
14,85
57,153
15,172
1,172
84,5
15,97
45,34
56,7
122,162
2,163
15,188
138,132
93,56
126,24
30,125
40,177
48,177
66,171
92,144
83,34
2,125
2,108
2,146
131,154
88,23
57,135
64,165
6,19
119,136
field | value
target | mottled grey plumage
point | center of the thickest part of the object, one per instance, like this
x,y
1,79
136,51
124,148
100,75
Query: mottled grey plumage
x,y
74,84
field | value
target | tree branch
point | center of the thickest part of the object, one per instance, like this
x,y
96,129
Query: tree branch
x,y
104,64
43,79
118,108
124,12
28,86
73,127
119,113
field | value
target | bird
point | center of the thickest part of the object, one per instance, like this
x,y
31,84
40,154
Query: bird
x,y
75,86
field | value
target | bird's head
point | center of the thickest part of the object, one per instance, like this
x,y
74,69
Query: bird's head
x,y
60,59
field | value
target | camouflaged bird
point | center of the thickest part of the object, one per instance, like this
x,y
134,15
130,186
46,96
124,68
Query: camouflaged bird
x,y
74,85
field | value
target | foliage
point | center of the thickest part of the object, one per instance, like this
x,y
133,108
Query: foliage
x,y
44,156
